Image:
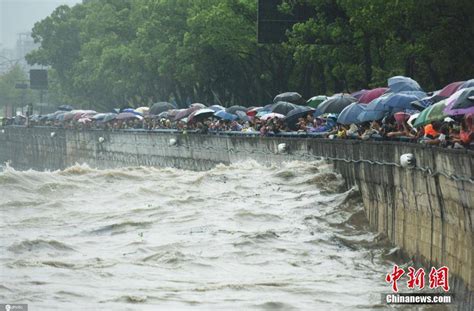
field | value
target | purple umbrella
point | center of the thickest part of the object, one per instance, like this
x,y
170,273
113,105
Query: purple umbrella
x,y
370,95
186,112
461,102
127,115
357,95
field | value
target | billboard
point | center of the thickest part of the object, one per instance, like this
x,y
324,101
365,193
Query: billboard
x,y
39,79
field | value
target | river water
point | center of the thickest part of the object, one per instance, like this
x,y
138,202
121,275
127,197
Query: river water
x,y
243,236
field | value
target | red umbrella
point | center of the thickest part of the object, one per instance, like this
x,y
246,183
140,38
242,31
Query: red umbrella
x,y
372,94
450,89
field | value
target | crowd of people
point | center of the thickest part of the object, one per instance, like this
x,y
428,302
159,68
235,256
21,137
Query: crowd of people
x,y
290,114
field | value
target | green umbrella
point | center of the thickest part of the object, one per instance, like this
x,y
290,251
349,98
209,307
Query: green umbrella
x,y
431,114
316,100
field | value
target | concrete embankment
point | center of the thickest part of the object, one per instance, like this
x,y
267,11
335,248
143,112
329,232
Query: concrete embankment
x,y
427,211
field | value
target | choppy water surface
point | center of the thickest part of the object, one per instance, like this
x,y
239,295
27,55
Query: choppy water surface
x,y
236,237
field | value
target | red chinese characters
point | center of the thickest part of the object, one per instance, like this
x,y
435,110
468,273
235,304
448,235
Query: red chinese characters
x,y
394,277
416,278
439,278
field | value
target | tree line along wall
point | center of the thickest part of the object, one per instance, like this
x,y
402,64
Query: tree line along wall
x,y
427,211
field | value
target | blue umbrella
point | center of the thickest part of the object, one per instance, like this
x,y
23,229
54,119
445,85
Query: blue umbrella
x,y
371,115
222,114
242,116
401,84
216,107
349,114
468,83
403,100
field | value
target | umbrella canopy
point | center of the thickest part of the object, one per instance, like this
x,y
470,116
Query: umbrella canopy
x,y
403,100
370,95
65,108
217,107
271,115
292,118
200,114
143,110
84,120
357,95
403,84
234,109
401,117
253,112
99,116
468,83
335,104
159,107
350,114
291,97
461,102
450,89
222,114
371,115
242,116
109,117
197,105
283,107
431,114
127,115
185,112
315,101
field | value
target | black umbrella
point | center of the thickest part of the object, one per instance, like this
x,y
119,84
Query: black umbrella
x,y
291,97
292,118
335,104
160,107
234,109
65,108
283,107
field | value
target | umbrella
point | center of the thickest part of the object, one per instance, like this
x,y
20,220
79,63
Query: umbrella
x,y
403,84
69,115
468,83
234,109
100,116
334,104
253,112
370,95
271,115
127,115
292,118
357,95
65,108
242,116
262,113
197,105
316,100
143,110
283,107
200,114
350,114
221,114
450,89
216,107
185,113
109,117
461,102
403,100
371,115
159,107
401,117
291,97
431,114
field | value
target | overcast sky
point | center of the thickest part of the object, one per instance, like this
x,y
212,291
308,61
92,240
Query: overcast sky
x,y
20,15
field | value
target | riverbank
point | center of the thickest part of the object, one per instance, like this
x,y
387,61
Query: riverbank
x,y
427,211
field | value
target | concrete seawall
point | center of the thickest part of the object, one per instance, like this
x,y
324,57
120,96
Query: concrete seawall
x,y
427,211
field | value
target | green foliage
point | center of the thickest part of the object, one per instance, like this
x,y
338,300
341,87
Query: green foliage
x,y
9,95
110,53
